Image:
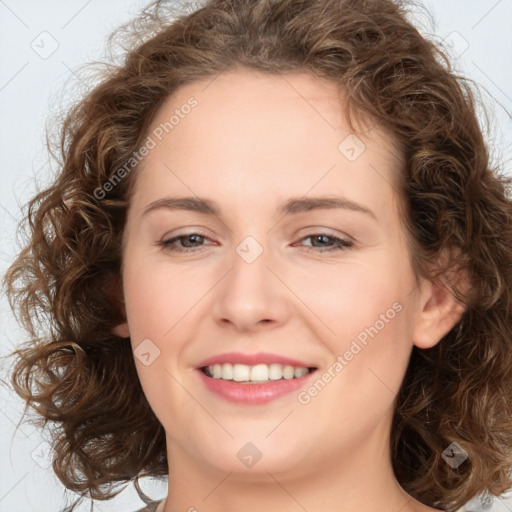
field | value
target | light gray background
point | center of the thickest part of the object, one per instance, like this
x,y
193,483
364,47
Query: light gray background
x,y
478,33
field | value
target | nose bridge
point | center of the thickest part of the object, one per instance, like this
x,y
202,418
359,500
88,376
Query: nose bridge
x,y
250,275
250,293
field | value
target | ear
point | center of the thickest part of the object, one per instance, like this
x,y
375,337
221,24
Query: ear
x,y
120,328
439,309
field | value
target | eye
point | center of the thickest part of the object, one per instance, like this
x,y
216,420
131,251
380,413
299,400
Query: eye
x,y
190,242
337,244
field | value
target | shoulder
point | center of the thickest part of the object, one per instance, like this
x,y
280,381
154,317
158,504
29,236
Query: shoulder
x,y
416,506
151,507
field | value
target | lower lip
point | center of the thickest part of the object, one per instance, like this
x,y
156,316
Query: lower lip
x,y
253,394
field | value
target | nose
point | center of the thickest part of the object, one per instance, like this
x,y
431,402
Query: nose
x,y
251,296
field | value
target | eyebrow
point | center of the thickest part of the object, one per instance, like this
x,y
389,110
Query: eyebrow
x,y
294,205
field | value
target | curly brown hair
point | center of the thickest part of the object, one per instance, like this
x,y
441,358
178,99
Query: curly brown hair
x,y
75,373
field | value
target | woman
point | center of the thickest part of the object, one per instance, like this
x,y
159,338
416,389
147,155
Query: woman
x,y
277,268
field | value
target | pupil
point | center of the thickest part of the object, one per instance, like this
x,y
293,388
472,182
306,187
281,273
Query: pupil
x,y
187,239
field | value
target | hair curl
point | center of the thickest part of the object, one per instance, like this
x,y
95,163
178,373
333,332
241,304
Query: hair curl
x,y
76,374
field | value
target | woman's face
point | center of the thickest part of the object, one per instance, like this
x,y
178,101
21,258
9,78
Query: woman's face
x,y
274,158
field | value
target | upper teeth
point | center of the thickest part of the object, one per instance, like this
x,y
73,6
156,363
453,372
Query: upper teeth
x,y
257,373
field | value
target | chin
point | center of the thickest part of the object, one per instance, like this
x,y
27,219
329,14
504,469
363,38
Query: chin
x,y
252,455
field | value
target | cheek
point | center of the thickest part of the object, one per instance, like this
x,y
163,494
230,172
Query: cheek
x,y
360,313
157,303
346,298
370,351
156,299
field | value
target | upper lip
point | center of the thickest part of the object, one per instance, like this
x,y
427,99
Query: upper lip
x,y
253,359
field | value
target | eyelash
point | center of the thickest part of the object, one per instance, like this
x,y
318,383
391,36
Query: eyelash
x,y
340,243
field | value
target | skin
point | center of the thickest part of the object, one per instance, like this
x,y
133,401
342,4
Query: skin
x,y
252,142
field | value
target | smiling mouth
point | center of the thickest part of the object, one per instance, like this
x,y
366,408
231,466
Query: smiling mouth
x,y
256,374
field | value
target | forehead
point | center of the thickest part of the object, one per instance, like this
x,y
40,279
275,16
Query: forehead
x,y
284,134
259,102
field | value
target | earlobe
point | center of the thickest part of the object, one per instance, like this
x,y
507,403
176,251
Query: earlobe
x,y
121,330
115,293
440,312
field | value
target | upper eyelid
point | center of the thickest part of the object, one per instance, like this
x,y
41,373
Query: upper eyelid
x,y
310,234
309,230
